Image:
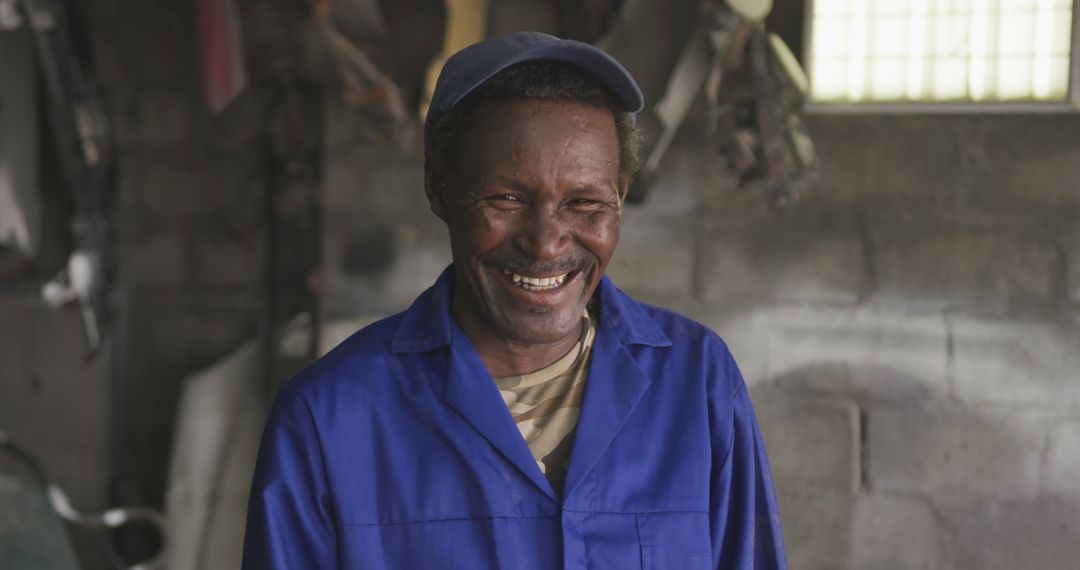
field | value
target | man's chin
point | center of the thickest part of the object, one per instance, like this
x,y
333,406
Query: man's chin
x,y
532,315
530,324
541,330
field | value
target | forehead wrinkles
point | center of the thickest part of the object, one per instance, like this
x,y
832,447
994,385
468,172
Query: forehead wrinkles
x,y
543,139
552,159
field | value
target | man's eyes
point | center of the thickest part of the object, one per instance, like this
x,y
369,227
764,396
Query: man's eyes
x,y
513,201
588,204
505,201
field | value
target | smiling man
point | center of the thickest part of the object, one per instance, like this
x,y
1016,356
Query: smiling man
x,y
524,412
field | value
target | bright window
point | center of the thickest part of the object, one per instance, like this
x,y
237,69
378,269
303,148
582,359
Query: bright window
x,y
883,51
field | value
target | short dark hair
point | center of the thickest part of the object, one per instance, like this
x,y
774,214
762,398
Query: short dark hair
x,y
545,81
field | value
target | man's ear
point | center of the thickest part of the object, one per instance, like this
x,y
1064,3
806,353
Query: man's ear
x,y
435,188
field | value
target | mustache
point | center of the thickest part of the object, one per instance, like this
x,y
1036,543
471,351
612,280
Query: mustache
x,y
522,265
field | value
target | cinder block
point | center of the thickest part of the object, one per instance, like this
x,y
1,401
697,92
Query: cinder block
x,y
886,160
275,44
812,442
191,339
118,39
1012,361
111,63
1046,149
237,128
687,179
868,353
192,186
418,254
1070,244
158,260
954,452
153,117
1041,533
895,533
224,261
1073,282
155,48
367,179
947,263
655,255
175,117
817,527
783,259
1062,475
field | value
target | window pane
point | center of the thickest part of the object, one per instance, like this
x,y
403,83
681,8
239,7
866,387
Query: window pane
x,y
831,7
949,80
829,81
1017,5
831,37
890,38
941,50
1014,78
961,6
887,82
1062,32
1059,78
1016,34
887,7
950,36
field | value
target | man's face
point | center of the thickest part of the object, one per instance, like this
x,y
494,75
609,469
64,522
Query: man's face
x,y
533,204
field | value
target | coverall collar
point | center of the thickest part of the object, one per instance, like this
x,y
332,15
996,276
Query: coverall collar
x,y
615,385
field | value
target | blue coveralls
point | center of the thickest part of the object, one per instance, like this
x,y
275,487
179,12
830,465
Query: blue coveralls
x,y
396,451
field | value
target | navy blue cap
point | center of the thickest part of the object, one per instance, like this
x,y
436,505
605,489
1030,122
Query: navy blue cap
x,y
471,67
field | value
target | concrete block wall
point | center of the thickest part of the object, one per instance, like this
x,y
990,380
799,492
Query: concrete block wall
x,y
953,333
189,227
910,330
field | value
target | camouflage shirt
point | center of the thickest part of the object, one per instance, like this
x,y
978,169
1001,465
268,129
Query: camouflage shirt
x,y
546,404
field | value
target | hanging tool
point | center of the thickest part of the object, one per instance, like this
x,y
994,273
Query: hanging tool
x,y
81,131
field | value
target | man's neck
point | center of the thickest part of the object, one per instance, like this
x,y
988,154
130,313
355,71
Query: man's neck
x,y
504,357
502,361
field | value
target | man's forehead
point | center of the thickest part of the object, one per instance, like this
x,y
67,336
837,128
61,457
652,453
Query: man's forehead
x,y
541,127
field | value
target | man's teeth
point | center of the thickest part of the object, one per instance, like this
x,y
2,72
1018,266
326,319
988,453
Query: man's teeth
x,y
537,283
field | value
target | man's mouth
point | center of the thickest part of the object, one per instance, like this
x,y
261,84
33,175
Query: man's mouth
x,y
537,283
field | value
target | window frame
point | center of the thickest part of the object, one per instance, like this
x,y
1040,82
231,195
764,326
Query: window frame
x,y
1070,105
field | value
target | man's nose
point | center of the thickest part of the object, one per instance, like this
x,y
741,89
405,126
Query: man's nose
x,y
545,235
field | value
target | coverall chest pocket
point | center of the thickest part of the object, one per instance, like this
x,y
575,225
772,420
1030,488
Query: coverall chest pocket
x,y
675,541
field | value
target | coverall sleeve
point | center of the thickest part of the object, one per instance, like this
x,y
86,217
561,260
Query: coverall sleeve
x,y
290,522
744,516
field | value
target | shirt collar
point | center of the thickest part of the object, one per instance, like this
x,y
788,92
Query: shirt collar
x,y
427,324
